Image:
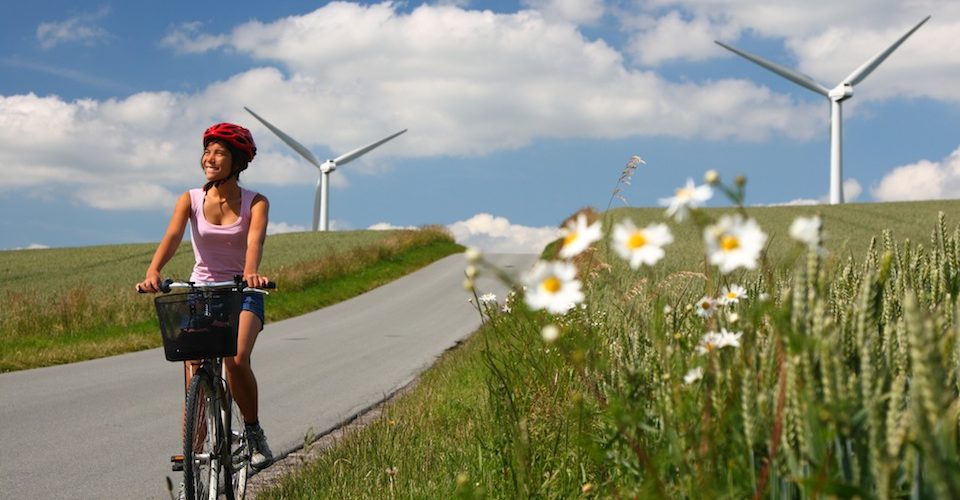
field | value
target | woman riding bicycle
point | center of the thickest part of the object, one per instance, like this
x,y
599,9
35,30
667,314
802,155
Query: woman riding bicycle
x,y
228,225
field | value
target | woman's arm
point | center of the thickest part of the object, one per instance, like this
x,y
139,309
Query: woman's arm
x,y
259,214
168,245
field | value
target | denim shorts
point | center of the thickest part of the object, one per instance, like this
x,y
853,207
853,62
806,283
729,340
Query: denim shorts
x,y
253,302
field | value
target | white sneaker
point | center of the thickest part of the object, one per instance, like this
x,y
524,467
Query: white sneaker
x,y
260,454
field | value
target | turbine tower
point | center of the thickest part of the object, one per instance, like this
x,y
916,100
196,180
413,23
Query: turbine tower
x,y
838,94
321,199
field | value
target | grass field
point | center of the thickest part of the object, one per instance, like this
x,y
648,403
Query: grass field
x,y
813,403
68,304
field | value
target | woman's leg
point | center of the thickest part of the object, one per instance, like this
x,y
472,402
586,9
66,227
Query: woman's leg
x,y
243,384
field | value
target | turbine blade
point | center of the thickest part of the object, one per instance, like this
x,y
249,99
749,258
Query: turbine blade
x,y
304,152
794,76
356,153
864,70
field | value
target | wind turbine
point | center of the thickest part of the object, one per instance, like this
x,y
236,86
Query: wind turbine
x,y
321,199
838,94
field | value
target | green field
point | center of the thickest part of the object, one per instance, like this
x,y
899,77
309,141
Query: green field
x,y
68,304
815,403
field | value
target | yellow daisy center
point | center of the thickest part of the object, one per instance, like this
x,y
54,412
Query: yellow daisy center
x,y
637,240
684,193
551,284
729,243
705,305
570,238
731,295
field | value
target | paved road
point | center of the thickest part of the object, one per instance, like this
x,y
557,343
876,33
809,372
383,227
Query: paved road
x,y
106,428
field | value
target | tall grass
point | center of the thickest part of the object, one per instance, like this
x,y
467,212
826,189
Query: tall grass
x,y
845,382
49,315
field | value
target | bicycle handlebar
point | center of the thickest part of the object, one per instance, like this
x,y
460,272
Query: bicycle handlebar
x,y
168,285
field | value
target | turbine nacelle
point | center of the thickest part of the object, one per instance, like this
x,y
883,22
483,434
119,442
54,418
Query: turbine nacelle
x,y
841,92
328,166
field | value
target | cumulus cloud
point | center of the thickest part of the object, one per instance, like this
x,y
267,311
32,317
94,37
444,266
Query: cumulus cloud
x,y
573,11
386,226
283,227
497,234
453,76
81,28
851,191
923,180
828,39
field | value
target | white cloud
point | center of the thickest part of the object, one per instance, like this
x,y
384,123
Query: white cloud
x,y
283,227
923,180
386,226
573,11
81,28
32,246
497,234
673,37
132,196
851,191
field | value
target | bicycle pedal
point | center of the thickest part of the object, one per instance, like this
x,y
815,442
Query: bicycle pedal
x,y
176,463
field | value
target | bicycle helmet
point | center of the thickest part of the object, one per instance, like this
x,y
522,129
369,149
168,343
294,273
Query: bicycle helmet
x,y
240,138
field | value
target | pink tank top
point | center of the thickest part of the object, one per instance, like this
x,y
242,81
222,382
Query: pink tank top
x,y
220,251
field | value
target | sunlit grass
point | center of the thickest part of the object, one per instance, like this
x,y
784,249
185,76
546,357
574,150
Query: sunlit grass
x,y
624,397
42,323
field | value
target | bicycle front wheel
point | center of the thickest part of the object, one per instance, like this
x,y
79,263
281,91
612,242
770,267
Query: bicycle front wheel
x,y
239,467
201,439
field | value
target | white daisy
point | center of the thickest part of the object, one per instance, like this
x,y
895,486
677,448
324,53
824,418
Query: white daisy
x,y
578,235
713,341
553,286
732,295
487,297
685,198
806,230
640,246
693,375
706,306
550,333
734,242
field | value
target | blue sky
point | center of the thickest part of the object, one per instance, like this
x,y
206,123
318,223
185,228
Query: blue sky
x,y
519,112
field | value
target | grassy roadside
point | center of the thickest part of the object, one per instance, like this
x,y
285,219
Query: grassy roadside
x,y
126,323
606,410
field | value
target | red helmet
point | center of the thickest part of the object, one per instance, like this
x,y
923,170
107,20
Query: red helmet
x,y
234,135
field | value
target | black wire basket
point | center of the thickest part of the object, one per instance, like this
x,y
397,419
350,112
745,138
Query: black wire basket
x,y
199,324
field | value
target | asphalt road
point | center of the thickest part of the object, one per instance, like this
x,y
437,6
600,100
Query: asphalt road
x,y
106,428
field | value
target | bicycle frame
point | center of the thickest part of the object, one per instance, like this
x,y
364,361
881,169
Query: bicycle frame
x,y
211,373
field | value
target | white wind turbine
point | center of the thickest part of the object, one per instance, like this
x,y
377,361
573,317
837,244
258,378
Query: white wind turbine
x,y
321,199
838,94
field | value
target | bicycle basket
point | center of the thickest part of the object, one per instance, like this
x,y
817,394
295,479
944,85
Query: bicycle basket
x,y
199,324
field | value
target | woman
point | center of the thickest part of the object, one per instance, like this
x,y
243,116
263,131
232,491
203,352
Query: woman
x,y
228,226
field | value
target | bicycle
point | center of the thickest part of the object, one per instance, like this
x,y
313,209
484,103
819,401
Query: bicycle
x,y
200,324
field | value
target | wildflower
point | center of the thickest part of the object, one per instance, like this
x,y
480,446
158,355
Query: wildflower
x,y
553,286
578,235
732,295
487,297
685,198
667,309
468,284
640,246
550,333
473,254
391,471
711,177
806,230
734,242
693,375
705,307
713,341
733,318
586,489
470,271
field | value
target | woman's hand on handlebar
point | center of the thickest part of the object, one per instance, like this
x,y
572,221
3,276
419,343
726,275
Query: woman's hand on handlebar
x,y
255,280
150,284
